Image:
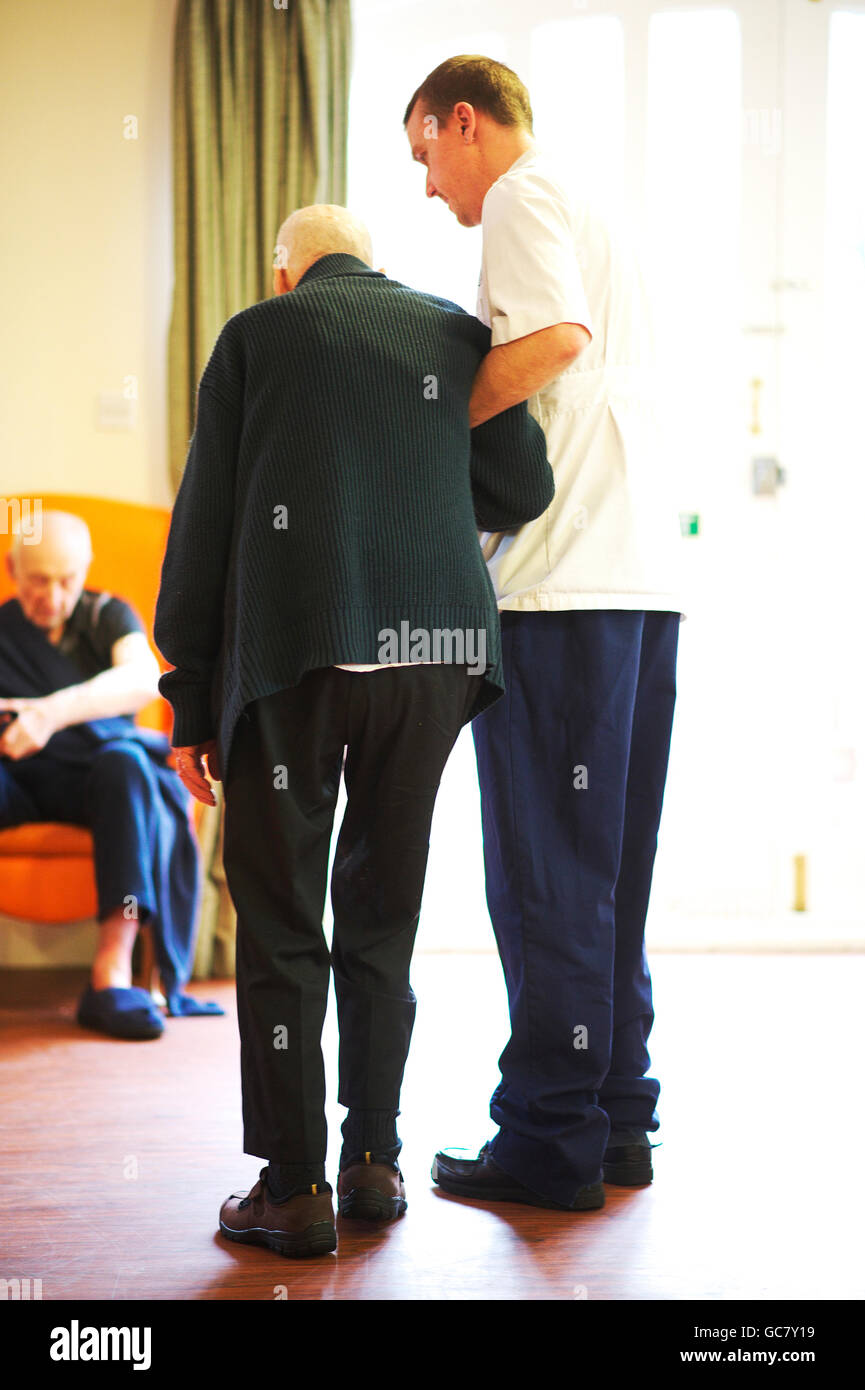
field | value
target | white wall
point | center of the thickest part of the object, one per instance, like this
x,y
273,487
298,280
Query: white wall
x,y
86,271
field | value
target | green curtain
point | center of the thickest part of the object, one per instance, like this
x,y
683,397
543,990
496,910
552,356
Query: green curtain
x,y
260,112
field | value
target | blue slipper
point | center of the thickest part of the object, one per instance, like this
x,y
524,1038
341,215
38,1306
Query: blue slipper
x,y
121,1013
184,1006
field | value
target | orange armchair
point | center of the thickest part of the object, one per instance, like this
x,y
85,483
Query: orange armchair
x,y
46,869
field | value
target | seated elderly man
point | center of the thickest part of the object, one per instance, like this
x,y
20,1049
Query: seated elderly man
x,y
75,665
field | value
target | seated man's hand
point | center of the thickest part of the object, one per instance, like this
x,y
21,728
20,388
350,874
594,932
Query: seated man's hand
x,y
32,729
190,769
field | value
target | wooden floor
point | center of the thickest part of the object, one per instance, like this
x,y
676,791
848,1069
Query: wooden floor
x,y
116,1156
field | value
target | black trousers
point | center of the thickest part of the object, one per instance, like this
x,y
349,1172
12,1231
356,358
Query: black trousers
x,y
281,787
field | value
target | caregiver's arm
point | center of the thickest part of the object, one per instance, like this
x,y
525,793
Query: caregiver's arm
x,y
513,371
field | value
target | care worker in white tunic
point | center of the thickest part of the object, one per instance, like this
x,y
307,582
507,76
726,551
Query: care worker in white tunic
x,y
572,762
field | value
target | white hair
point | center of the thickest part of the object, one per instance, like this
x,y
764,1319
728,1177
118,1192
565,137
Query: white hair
x,y
321,230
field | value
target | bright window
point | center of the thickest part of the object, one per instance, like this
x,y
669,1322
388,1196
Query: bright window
x,y
578,102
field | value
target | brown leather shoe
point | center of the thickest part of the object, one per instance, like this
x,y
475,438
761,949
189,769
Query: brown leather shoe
x,y
294,1226
371,1191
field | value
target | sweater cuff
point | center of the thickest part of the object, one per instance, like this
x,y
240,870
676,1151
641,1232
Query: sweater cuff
x,y
193,720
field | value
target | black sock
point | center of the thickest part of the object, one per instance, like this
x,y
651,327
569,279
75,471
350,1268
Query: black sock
x,y
285,1179
369,1132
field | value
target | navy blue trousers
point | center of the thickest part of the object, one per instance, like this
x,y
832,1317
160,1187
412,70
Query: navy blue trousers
x,y
137,810
572,764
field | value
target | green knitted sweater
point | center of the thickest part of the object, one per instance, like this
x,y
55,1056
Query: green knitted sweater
x,y
333,492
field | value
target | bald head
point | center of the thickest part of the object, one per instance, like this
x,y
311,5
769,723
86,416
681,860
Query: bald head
x,y
49,574
313,232
64,538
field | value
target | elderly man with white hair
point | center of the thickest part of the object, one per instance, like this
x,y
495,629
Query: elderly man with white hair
x,y
323,589
75,667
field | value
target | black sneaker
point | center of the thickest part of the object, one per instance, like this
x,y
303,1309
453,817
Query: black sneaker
x,y
628,1158
481,1177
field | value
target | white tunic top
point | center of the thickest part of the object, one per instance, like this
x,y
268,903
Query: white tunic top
x,y
610,538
